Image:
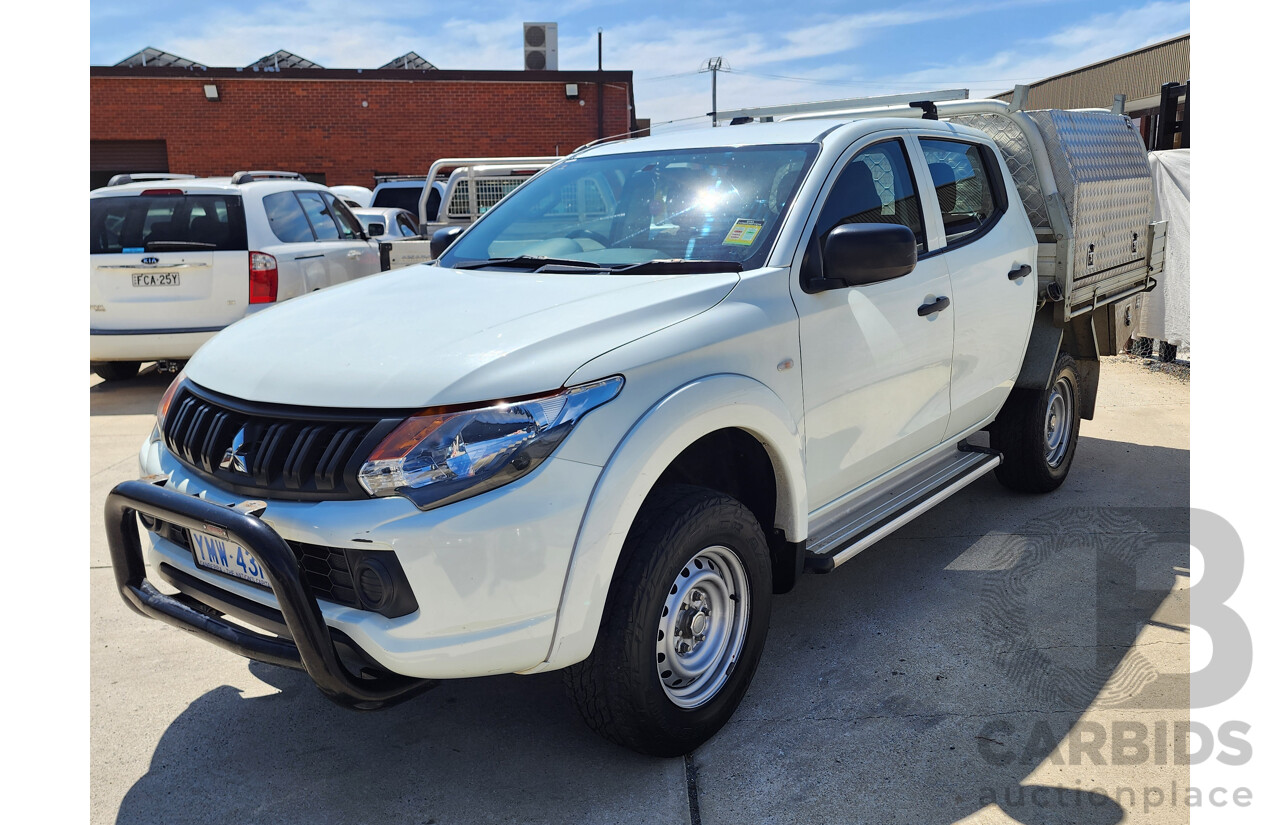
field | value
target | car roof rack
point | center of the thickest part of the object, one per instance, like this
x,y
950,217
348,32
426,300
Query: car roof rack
x,y
252,177
132,177
788,111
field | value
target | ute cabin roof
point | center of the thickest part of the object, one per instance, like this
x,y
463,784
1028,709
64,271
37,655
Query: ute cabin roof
x,y
765,134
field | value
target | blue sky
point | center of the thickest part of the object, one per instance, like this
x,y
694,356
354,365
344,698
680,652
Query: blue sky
x,y
815,50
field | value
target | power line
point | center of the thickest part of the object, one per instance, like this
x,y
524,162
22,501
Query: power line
x,y
862,82
668,76
848,82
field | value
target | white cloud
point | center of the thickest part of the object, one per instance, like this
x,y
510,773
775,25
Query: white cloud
x,y
1091,40
1019,61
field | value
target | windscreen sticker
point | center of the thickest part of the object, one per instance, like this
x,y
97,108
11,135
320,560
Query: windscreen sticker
x,y
130,249
743,232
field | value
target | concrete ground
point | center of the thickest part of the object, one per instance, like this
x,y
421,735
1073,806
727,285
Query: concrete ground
x,y
1003,659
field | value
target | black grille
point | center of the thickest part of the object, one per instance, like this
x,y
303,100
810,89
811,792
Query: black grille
x,y
328,572
292,453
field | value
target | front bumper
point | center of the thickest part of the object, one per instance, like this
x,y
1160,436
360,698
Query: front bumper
x,y
308,643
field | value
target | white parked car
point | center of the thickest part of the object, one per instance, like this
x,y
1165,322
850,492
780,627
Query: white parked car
x,y
357,197
171,262
639,397
386,224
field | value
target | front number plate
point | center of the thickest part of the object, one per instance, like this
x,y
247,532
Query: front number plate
x,y
156,279
224,556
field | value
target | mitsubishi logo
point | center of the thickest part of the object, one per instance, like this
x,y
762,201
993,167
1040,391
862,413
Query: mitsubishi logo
x,y
235,458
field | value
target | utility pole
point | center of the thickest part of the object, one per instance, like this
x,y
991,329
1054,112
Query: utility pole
x,y
713,65
600,83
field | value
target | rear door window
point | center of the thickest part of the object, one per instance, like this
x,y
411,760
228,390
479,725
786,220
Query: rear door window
x,y
320,214
166,222
287,220
962,179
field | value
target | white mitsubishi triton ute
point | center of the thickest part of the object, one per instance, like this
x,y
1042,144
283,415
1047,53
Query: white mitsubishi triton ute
x,y
602,440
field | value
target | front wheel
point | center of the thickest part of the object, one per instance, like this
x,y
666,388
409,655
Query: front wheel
x,y
1037,432
684,624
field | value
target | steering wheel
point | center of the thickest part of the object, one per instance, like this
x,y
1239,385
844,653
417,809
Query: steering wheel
x,y
589,235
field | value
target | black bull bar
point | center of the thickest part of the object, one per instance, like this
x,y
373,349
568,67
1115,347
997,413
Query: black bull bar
x,y
310,647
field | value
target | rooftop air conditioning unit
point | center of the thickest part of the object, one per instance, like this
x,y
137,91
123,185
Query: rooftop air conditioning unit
x,y
540,50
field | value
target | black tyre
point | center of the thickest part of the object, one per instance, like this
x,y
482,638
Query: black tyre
x,y
1037,432
683,628
117,370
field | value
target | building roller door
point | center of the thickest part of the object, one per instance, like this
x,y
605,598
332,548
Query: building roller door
x,y
114,157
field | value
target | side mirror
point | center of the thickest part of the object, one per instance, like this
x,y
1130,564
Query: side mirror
x,y
443,239
855,254
377,229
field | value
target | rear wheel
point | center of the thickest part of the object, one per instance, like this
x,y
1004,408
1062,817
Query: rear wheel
x,y
1037,432
116,370
684,625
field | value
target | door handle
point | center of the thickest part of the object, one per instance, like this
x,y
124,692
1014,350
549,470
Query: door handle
x,y
1019,272
937,306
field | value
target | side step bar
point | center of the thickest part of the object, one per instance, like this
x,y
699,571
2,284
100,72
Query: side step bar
x,y
881,514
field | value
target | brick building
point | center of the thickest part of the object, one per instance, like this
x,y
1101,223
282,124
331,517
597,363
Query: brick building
x,y
339,126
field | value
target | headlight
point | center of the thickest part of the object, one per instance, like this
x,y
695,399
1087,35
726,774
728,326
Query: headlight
x,y
167,399
162,410
440,456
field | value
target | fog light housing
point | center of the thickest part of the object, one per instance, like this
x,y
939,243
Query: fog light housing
x,y
378,582
374,584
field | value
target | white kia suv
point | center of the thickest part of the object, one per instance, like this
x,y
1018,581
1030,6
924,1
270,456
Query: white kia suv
x,y
173,261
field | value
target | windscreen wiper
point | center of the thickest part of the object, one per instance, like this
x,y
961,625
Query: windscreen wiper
x,y
530,262
676,266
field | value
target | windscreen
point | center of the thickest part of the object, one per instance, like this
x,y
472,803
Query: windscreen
x,y
717,204
398,197
166,222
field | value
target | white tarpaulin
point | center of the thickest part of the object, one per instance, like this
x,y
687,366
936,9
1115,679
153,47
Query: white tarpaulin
x,y
1164,314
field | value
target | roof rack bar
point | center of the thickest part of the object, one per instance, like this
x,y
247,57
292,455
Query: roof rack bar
x,y
249,177
387,178
119,180
841,105
621,136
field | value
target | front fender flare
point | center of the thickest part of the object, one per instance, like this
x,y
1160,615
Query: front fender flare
x,y
666,429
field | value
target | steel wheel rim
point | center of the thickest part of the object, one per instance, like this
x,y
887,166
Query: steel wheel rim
x,y
702,627
1058,417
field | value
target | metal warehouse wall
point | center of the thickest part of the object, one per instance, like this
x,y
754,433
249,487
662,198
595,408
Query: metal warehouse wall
x,y
1137,74
347,125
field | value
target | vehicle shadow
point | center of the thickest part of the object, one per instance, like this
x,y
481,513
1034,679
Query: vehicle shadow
x,y
928,679
133,396
503,749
